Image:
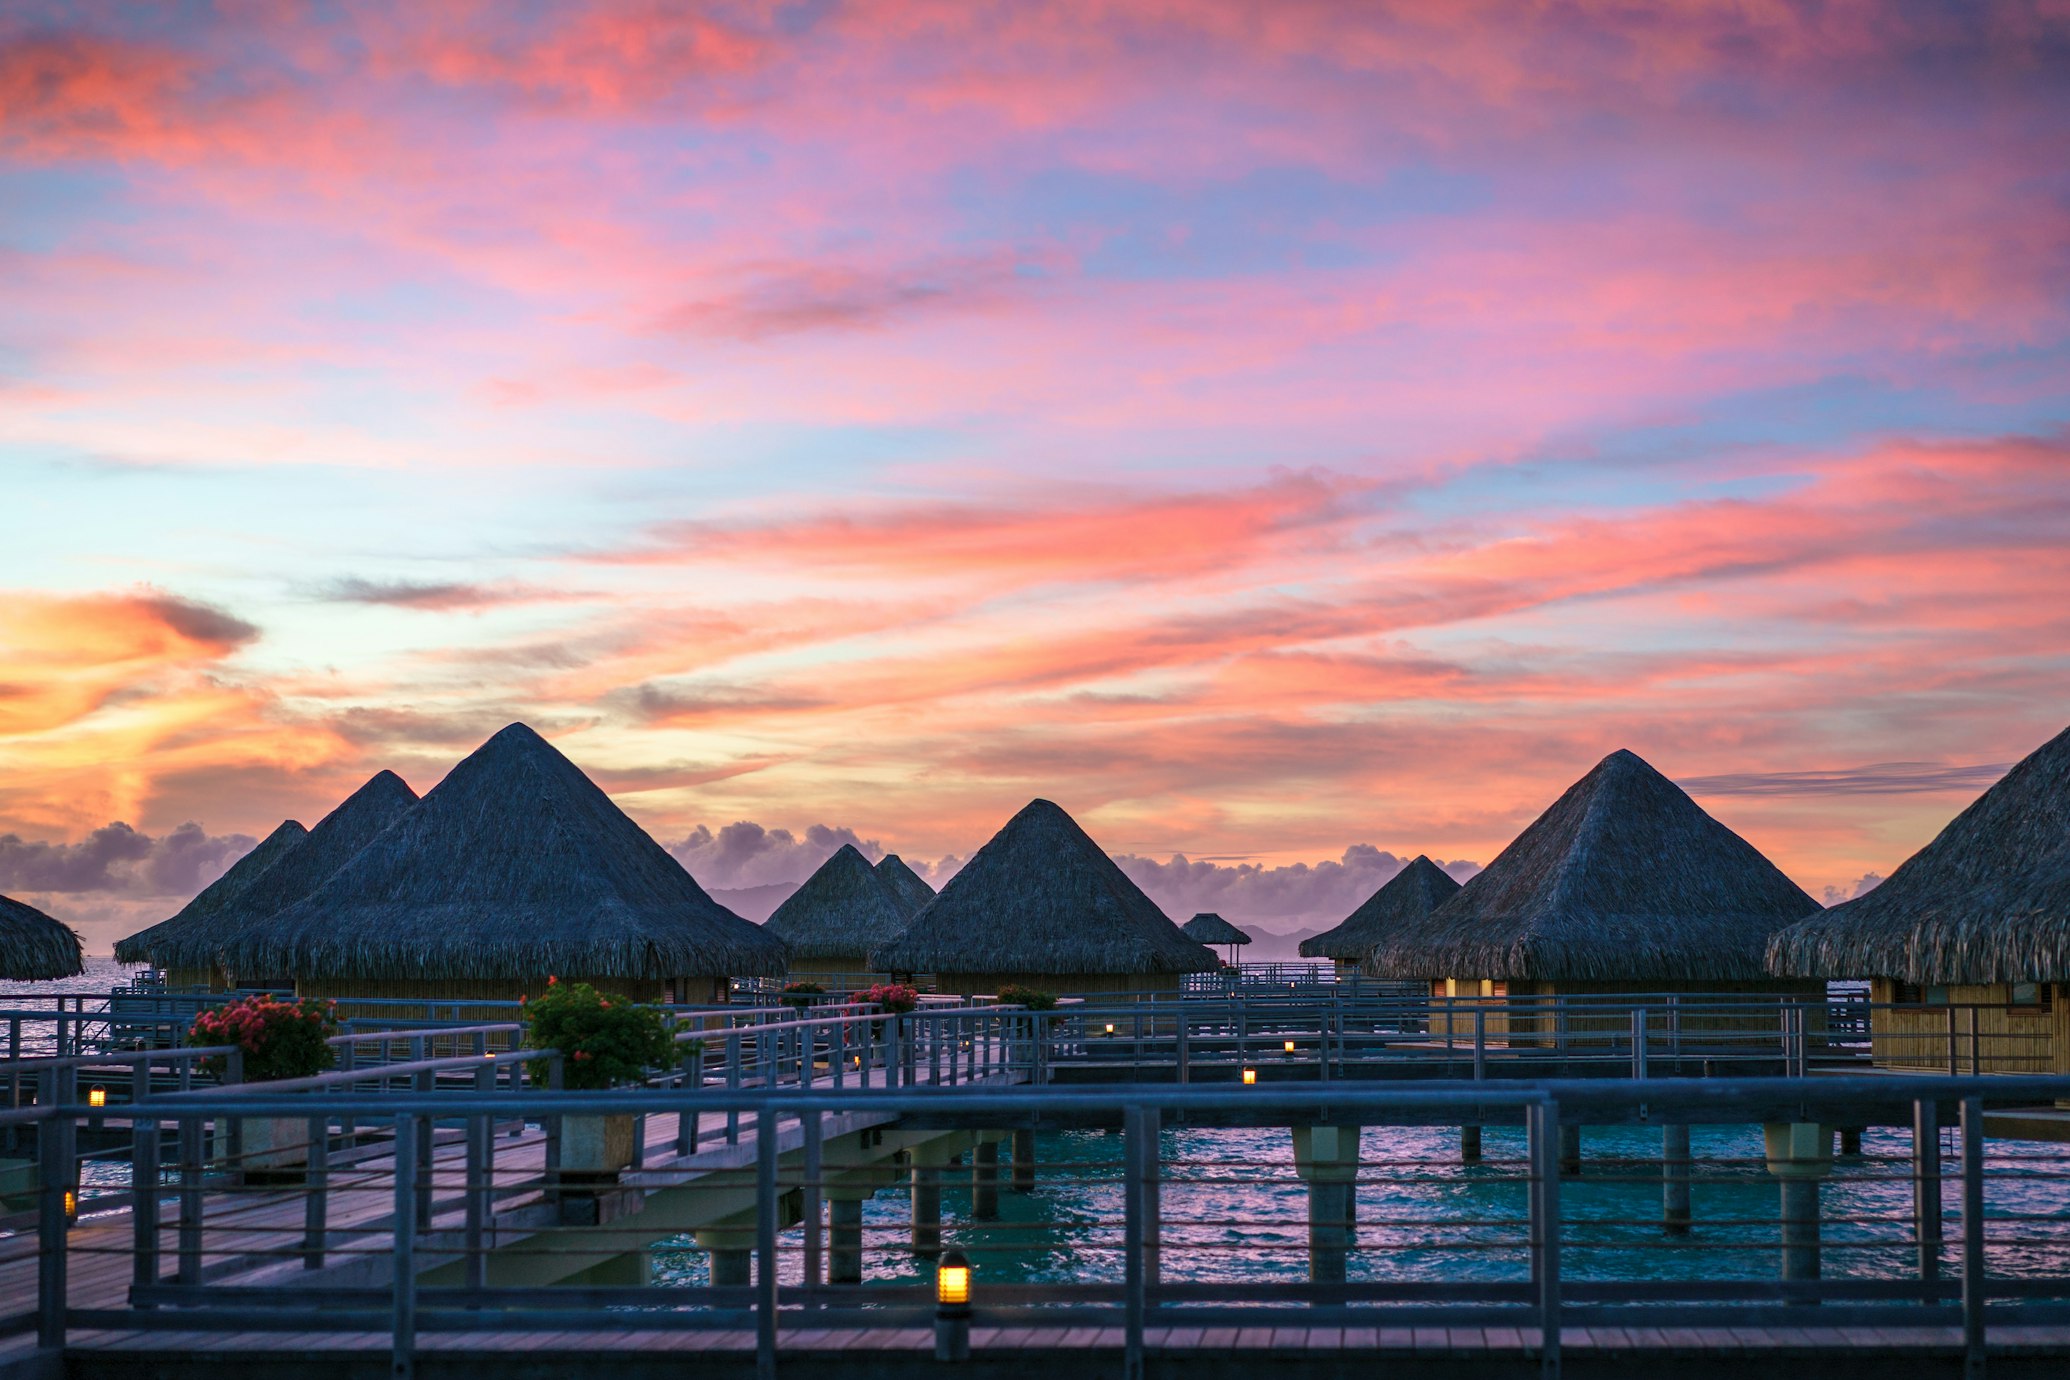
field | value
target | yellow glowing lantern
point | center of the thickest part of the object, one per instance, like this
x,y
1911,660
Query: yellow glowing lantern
x,y
96,1097
1290,1046
952,1281
1250,1075
71,1205
1110,1027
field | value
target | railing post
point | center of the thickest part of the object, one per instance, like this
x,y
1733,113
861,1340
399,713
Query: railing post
x,y
1542,1120
1135,1231
54,1170
765,1243
317,1198
1926,1185
1639,1042
1953,1066
1480,1044
190,1198
1973,1268
811,1128
143,1192
1182,1046
403,1304
733,1076
550,1126
479,1180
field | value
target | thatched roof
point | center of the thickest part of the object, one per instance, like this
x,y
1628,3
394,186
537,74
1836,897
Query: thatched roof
x,y
1210,928
1624,879
203,920
1987,901
34,947
515,865
1408,895
912,894
1041,897
336,840
845,909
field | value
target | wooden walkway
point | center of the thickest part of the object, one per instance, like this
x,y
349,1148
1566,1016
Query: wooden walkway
x,y
1037,1351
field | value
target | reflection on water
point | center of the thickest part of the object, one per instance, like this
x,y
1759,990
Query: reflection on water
x,y
1234,1211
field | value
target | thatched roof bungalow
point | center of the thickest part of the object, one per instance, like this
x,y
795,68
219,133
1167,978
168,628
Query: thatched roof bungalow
x,y
1210,929
1041,905
1624,885
841,912
34,947
185,945
912,894
514,868
1978,918
1408,896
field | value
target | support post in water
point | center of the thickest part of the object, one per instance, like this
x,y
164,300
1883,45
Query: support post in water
x,y
1469,1145
845,1233
1800,1153
1024,1161
1326,1159
984,1180
1570,1150
1926,1186
1674,1177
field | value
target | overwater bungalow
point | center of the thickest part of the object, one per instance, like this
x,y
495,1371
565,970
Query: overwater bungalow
x,y
35,947
1212,930
1042,906
913,894
191,946
841,912
1408,895
184,947
1966,947
515,868
1623,885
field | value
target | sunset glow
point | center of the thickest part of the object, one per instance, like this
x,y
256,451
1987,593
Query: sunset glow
x,y
1261,429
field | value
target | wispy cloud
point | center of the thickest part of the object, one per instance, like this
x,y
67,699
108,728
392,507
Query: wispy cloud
x,y
1877,778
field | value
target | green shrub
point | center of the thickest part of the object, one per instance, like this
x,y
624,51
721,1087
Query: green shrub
x,y
1033,998
604,1040
280,1039
800,994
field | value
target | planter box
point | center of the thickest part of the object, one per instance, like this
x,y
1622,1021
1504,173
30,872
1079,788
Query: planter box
x,y
274,1148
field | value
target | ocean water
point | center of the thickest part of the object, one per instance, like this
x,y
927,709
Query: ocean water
x,y
1234,1211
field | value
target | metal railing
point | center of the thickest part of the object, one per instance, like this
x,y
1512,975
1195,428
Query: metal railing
x,y
400,1238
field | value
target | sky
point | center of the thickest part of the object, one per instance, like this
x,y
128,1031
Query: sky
x,y
1271,432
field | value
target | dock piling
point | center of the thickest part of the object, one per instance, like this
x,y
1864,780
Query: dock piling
x,y
1570,1150
984,1180
845,1234
1024,1161
1674,1177
1469,1145
1799,1155
1326,1158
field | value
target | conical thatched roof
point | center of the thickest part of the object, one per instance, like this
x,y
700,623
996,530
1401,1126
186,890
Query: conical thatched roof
x,y
1042,898
912,894
1987,901
1624,879
1210,928
204,920
515,865
336,840
845,909
34,947
1409,895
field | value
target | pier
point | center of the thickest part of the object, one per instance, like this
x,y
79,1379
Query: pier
x,y
427,1209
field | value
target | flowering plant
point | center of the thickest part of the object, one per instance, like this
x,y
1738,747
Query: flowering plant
x,y
893,997
603,1040
280,1039
800,994
1033,998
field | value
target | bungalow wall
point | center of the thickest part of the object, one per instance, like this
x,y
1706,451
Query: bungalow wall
x,y
1909,1026
1719,1014
1063,984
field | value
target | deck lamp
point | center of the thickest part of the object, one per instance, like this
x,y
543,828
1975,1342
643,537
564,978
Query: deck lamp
x,y
71,1205
97,1096
1110,1027
1290,1046
1250,1075
952,1307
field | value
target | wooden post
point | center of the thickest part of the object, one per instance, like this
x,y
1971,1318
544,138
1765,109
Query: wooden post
x,y
811,1196
927,1201
1674,1177
54,1170
1327,1158
191,1154
766,1201
316,1199
845,1234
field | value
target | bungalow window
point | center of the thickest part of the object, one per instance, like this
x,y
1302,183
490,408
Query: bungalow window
x,y
1936,996
2031,994
1907,993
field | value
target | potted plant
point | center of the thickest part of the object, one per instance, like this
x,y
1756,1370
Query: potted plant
x,y
896,998
276,1040
603,1041
1033,998
799,995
